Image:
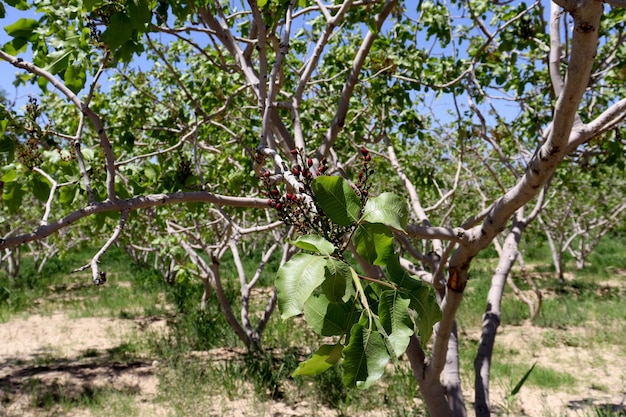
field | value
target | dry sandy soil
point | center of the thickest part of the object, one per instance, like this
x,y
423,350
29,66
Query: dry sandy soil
x,y
44,355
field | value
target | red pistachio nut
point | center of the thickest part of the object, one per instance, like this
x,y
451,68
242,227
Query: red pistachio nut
x,y
364,151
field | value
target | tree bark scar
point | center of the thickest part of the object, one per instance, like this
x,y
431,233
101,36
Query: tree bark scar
x,y
454,283
585,27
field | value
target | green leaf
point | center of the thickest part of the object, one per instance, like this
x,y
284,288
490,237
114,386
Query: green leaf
x,y
67,194
2,11
23,28
365,357
120,30
424,304
150,173
58,60
329,319
338,283
338,200
399,276
75,78
314,243
12,196
296,281
261,3
15,46
520,384
9,176
374,242
140,14
41,187
3,126
371,25
322,360
393,311
387,208
18,4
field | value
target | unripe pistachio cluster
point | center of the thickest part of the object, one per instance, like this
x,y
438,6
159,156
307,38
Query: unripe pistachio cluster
x,y
363,185
298,206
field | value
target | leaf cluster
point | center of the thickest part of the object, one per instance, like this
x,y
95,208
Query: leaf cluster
x,y
371,318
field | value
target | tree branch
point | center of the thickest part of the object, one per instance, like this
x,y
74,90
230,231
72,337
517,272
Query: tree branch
x,y
152,200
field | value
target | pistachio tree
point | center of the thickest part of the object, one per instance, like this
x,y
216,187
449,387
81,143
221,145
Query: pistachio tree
x,y
380,145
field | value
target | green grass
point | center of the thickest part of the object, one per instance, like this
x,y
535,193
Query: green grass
x,y
56,398
541,377
191,384
129,290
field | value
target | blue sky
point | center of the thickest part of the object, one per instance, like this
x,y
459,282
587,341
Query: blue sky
x,y
8,71
20,95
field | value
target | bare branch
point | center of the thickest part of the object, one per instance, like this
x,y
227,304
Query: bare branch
x,y
555,49
98,277
54,184
348,88
152,200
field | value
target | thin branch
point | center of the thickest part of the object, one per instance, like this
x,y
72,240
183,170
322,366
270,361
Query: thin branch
x,y
54,185
98,277
348,88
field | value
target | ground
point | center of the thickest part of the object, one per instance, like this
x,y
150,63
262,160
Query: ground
x,y
57,364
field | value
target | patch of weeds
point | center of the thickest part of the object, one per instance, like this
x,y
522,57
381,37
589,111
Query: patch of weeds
x,y
56,395
281,334
609,410
514,311
268,372
201,330
541,377
611,332
126,315
399,391
599,387
329,389
191,386
561,313
89,353
123,351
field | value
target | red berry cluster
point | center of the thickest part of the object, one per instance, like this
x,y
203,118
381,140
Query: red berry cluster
x,y
303,169
292,205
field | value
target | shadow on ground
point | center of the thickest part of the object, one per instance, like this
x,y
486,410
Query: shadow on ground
x,y
46,382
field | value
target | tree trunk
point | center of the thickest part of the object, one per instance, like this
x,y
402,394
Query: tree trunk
x,y
451,376
491,319
430,387
206,294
